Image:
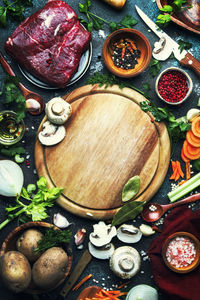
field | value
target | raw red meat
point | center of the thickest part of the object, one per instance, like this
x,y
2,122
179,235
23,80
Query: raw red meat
x,y
49,43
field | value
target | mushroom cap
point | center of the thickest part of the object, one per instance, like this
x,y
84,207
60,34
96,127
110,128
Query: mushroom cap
x,y
104,252
58,110
51,134
128,234
125,262
102,234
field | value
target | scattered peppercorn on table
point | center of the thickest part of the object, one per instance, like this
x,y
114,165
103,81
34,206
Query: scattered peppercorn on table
x,y
126,53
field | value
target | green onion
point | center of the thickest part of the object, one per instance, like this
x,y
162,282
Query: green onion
x,y
185,188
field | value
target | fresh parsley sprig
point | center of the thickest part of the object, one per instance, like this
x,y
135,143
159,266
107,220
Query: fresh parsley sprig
x,y
177,128
13,97
36,205
95,22
154,67
177,5
184,45
14,9
110,80
52,238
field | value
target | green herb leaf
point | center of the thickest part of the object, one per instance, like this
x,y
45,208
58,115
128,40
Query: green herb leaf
x,y
95,22
154,67
196,164
11,151
36,209
167,8
129,211
110,80
14,97
52,238
14,9
163,19
131,188
184,45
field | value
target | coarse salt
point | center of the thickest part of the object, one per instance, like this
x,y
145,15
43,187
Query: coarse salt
x,y
181,252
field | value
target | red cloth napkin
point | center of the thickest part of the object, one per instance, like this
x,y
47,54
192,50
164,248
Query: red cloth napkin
x,y
177,286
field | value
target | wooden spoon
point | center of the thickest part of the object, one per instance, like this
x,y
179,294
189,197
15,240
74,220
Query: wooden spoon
x,y
154,211
89,292
29,95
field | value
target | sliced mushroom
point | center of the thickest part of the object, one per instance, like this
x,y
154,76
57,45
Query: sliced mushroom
x,y
102,234
51,134
103,252
58,110
128,233
125,262
162,49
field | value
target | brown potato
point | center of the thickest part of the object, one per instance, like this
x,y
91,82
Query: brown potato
x,y
15,271
27,243
50,268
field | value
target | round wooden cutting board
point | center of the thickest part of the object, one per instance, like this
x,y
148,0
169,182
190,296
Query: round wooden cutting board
x,y
109,139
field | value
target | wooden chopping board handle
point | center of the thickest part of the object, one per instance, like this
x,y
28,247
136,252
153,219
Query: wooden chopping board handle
x,y
190,62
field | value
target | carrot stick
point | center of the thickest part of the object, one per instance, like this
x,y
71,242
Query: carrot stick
x,y
81,282
179,168
188,171
123,284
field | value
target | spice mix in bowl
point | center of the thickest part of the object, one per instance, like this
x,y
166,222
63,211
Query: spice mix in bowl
x,y
126,52
181,252
173,86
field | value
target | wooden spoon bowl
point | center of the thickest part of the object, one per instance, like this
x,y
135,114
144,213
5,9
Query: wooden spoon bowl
x,y
27,93
187,18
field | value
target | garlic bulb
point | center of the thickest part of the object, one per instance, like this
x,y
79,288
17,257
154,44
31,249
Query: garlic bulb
x,y
11,178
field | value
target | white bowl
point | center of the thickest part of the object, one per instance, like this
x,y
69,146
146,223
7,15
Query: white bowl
x,y
189,83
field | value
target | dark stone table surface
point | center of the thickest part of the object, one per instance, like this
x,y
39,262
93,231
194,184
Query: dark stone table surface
x,y
102,275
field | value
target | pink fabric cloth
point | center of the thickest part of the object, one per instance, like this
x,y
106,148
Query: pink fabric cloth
x,y
176,286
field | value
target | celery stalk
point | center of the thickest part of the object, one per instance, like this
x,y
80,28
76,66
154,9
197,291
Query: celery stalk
x,y
185,188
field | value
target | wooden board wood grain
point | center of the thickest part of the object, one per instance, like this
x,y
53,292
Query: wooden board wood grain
x,y
108,140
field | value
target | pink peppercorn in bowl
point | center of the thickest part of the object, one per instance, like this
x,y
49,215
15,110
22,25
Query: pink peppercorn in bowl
x,y
181,252
173,86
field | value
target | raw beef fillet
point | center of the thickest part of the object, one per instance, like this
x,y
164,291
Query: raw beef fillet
x,y
49,44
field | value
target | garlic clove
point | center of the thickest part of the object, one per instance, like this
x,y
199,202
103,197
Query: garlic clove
x,y
146,230
80,236
32,105
60,221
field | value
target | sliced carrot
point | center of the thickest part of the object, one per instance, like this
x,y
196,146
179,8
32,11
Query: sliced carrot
x,y
193,150
188,170
190,152
184,158
195,127
81,282
192,139
179,168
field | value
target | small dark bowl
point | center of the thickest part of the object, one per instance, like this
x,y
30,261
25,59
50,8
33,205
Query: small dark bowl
x,y
142,44
9,244
196,261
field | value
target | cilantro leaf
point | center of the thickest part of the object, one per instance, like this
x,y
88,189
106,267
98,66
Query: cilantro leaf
x,y
154,67
184,45
95,22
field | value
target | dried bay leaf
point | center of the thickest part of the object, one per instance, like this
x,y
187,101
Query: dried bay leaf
x,y
128,212
131,188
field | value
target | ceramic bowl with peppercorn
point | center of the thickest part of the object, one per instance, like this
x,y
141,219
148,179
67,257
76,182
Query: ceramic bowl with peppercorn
x,y
126,52
173,86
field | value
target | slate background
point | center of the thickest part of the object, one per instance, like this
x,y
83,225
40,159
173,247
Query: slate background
x,y
99,269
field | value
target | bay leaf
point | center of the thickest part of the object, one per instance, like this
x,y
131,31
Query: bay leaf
x,y
129,211
131,188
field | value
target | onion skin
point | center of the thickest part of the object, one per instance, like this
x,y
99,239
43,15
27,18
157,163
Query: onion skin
x,y
11,178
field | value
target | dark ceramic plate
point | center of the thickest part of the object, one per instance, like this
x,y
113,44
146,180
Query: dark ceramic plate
x,y
188,18
83,66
